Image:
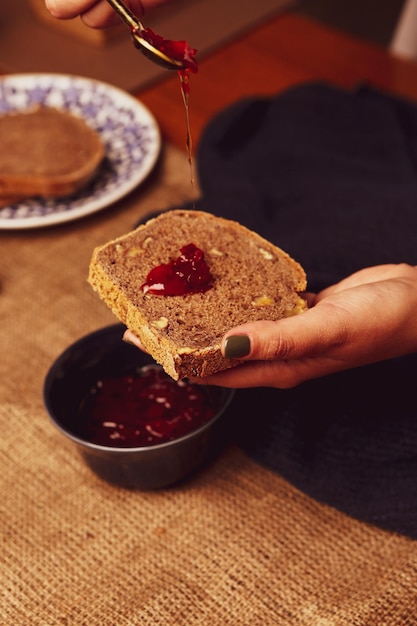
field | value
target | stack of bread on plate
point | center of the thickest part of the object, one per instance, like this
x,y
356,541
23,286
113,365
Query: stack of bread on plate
x,y
46,152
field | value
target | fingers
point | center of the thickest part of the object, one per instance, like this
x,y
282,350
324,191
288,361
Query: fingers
x,y
290,338
97,13
279,374
287,352
129,337
368,317
69,8
370,275
100,15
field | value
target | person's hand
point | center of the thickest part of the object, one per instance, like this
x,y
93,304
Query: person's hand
x,y
368,317
97,13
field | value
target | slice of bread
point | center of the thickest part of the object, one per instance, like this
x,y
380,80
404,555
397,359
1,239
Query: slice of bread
x,y
46,152
253,280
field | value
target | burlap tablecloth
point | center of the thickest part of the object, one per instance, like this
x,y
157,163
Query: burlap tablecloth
x,y
236,544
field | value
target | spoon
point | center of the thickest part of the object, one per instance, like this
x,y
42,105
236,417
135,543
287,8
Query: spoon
x,y
171,55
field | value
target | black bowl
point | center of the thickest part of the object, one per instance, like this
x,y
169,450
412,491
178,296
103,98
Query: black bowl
x,y
103,354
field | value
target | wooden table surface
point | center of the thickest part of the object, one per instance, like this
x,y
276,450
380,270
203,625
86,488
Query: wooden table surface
x,y
283,52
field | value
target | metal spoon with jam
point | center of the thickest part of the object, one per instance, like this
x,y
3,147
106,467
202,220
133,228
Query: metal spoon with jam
x,y
172,55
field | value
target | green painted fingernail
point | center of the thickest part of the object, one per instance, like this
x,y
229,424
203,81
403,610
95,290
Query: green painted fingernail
x,y
236,346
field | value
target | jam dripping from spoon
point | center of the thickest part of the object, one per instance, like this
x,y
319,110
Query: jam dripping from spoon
x,y
181,53
168,53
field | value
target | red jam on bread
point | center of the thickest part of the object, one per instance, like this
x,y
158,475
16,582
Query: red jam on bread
x,y
189,273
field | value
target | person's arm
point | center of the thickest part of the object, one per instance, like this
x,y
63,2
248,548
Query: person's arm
x,y
97,13
368,317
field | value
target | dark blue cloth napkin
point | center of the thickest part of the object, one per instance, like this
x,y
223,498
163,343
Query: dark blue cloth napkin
x,y
331,177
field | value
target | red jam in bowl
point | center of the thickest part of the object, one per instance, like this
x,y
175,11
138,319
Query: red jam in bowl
x,y
145,408
187,274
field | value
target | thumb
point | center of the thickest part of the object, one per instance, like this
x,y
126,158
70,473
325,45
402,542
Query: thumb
x,y
290,338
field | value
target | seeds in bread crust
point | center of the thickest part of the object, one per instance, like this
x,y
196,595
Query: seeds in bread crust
x,y
262,301
146,242
186,350
299,307
268,256
135,252
161,323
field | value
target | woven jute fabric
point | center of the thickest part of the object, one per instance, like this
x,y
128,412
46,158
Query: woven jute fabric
x,y
236,544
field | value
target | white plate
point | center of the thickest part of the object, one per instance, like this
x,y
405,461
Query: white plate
x,y
130,133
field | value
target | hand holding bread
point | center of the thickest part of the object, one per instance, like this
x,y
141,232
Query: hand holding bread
x,y
251,280
365,318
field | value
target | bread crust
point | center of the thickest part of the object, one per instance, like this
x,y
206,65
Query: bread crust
x,y
253,280
46,152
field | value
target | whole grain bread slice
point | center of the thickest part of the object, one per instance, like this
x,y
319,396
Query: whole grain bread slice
x,y
253,280
46,152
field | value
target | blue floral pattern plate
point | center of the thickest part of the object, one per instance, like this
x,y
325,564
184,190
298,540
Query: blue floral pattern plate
x,y
129,131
